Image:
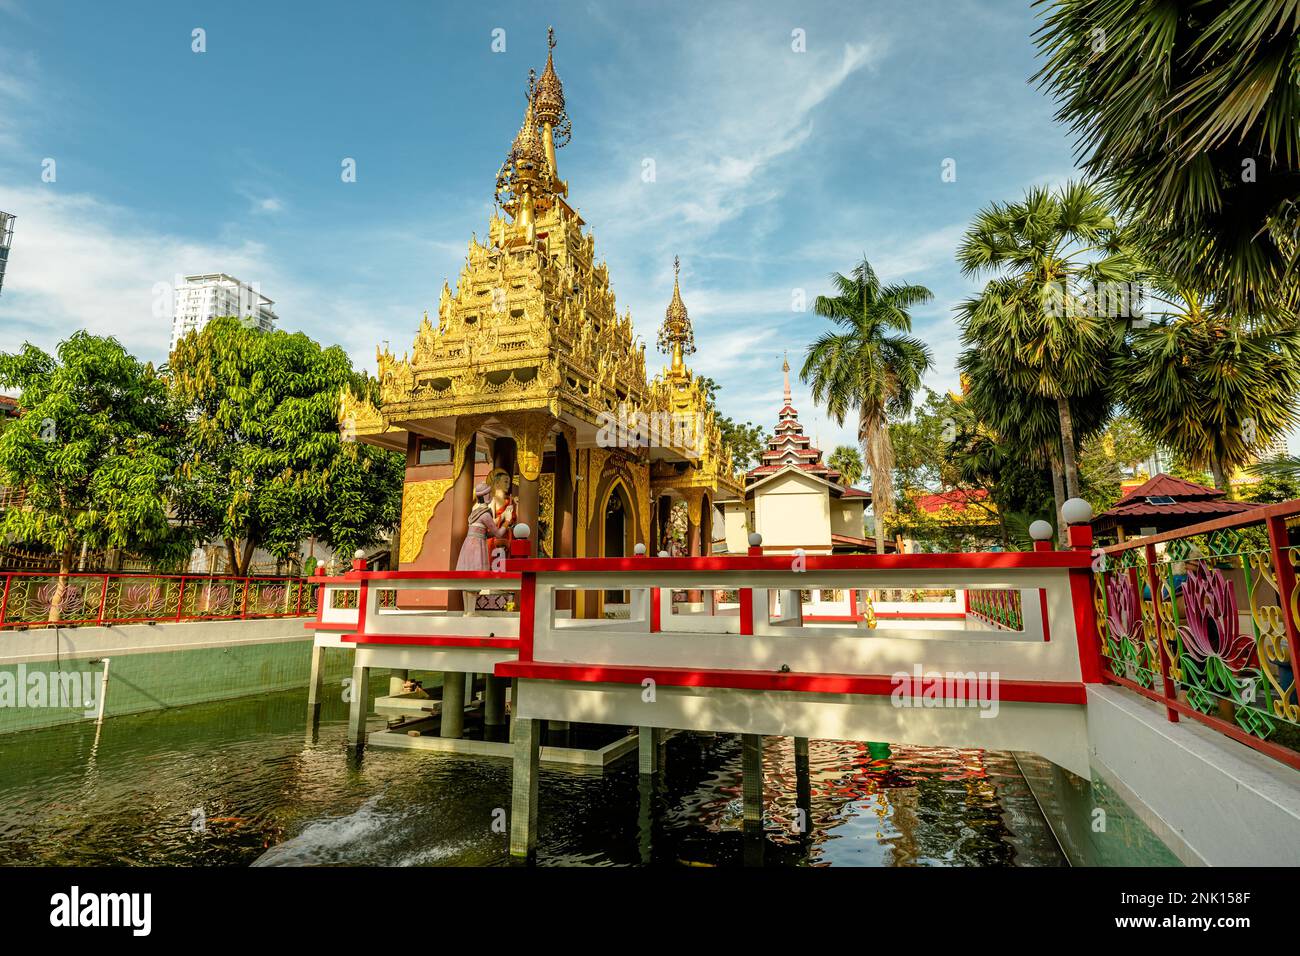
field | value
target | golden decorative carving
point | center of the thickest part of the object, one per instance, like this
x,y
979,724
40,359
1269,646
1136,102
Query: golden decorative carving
x,y
358,415
420,499
529,430
596,458
694,504
1270,626
466,426
640,473
546,513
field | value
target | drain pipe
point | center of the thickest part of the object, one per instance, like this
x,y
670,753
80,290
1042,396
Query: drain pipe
x,y
103,688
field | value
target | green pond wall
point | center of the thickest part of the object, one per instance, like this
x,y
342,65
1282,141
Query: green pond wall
x,y
167,679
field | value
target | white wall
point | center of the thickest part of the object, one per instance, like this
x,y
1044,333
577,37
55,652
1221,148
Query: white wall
x,y
1213,801
793,511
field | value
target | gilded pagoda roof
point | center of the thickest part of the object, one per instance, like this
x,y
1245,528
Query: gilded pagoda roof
x,y
533,324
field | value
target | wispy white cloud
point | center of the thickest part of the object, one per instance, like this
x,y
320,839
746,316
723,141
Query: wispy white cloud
x,y
78,262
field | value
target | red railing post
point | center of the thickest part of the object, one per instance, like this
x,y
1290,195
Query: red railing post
x,y
103,598
745,596
4,599
180,600
243,602
1166,682
527,614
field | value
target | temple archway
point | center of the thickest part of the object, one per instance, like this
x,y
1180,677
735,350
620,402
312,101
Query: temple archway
x,y
617,522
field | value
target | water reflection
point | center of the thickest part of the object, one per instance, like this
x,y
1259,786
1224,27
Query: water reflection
x,y
238,782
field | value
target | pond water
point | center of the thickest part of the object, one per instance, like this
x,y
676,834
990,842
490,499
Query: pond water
x,y
242,782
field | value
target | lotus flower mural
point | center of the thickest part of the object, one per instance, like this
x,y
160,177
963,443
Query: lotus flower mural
x,y
138,598
1124,609
1211,632
1125,627
73,599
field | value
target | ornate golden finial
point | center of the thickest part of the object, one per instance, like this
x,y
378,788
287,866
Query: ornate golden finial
x,y
785,367
676,335
549,96
524,186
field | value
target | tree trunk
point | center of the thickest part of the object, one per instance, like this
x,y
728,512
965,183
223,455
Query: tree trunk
x,y
232,561
1067,447
879,455
1217,469
249,545
61,588
1058,493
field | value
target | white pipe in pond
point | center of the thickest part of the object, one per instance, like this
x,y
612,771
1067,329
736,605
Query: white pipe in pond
x,y
103,691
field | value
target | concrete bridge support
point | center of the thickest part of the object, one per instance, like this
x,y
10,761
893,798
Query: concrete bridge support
x,y
494,708
453,704
314,688
802,785
751,746
523,791
359,707
649,750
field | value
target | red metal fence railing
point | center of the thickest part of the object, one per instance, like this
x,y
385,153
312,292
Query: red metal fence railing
x,y
1205,620
26,598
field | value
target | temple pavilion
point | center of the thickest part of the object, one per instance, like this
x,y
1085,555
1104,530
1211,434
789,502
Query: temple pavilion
x,y
530,368
794,499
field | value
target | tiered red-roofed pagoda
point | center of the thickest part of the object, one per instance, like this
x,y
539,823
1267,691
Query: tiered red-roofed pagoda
x,y
794,499
790,446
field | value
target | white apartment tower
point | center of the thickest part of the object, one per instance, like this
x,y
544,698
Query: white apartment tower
x,y
199,299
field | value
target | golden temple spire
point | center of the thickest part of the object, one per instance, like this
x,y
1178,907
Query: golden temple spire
x,y
548,104
785,367
676,335
524,186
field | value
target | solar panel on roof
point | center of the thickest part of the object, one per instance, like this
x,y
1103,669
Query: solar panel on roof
x,y
1159,500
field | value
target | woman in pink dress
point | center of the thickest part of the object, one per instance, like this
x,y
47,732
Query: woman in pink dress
x,y
490,521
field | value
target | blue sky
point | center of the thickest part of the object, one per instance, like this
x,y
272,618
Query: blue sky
x,y
773,167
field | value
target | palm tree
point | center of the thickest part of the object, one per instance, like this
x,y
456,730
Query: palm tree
x,y
1011,420
1211,387
847,460
1187,113
872,365
1040,321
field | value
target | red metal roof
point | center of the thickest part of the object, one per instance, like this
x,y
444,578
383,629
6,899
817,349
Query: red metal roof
x,y
957,499
1189,499
1169,486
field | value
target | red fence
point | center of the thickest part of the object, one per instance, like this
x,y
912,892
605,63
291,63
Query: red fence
x,y
27,598
1206,621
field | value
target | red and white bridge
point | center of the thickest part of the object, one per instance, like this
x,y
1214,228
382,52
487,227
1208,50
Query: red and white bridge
x,y
1015,656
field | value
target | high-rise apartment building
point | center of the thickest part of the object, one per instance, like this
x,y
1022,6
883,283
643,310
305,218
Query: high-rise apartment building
x,y
6,239
201,298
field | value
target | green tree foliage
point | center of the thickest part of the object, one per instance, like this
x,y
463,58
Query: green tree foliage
x,y
871,365
922,444
1276,484
1210,387
1108,457
1005,465
264,462
1039,322
745,439
1189,114
847,460
94,450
